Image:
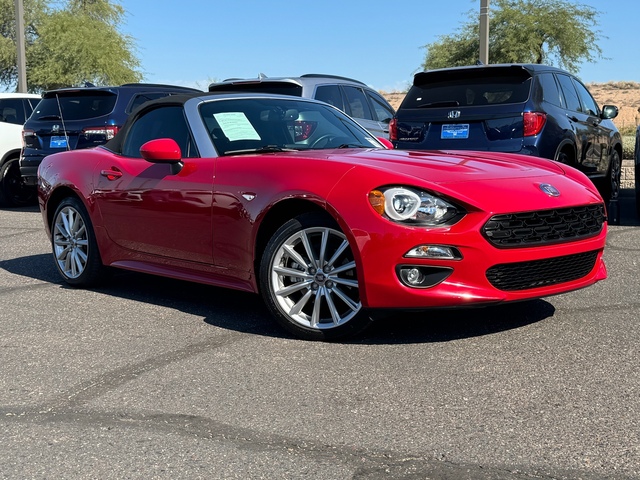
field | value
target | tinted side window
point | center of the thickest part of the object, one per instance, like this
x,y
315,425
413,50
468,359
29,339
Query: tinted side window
x,y
357,105
165,122
589,105
330,94
12,111
141,98
572,102
550,92
380,108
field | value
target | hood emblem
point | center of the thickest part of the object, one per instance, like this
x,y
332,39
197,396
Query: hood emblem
x,y
454,114
549,190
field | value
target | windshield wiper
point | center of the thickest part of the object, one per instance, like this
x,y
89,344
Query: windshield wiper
x,y
265,149
446,103
352,145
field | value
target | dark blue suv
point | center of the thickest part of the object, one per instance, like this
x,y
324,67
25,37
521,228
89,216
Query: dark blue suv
x,y
74,118
529,109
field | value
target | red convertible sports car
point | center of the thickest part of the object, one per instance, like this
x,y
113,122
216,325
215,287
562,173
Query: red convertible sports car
x,y
290,198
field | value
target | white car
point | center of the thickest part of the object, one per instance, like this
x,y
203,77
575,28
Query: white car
x,y
15,108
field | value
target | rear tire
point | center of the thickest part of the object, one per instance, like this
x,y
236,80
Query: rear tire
x,y
13,191
75,250
309,282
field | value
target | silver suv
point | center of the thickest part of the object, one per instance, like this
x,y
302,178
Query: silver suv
x,y
360,102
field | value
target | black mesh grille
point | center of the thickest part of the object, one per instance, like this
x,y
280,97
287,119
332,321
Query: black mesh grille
x,y
544,227
541,273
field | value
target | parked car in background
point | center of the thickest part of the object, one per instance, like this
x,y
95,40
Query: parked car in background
x,y
291,198
84,117
362,103
531,109
15,108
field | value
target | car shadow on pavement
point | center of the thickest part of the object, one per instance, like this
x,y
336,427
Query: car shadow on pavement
x,y
39,267
443,325
245,312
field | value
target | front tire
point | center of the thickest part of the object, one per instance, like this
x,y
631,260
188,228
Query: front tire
x,y
612,182
75,250
309,281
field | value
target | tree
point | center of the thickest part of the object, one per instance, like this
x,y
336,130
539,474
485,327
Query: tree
x,y
69,46
553,32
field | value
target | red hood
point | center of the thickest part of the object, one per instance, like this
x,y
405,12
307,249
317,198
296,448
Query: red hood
x,y
442,167
482,179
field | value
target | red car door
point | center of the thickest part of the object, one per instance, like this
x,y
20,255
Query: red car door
x,y
148,208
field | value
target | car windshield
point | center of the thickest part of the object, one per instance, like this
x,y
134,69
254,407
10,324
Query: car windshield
x,y
262,125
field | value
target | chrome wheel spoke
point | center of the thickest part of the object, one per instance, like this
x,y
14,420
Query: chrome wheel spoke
x,y
338,252
352,305
296,287
314,280
70,242
309,250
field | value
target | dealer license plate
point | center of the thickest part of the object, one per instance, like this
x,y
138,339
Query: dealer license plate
x,y
58,142
455,131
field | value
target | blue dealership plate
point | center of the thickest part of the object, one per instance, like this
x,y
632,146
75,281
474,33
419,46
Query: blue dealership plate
x,y
58,142
454,131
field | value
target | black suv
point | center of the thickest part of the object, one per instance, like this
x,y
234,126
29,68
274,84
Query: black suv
x,y
73,118
530,109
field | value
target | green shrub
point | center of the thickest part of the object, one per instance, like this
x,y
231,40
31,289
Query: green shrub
x,y
628,146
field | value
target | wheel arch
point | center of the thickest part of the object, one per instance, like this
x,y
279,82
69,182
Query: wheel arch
x,y
276,217
567,147
11,154
57,196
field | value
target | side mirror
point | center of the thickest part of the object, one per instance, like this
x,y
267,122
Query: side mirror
x,y
163,150
609,112
386,142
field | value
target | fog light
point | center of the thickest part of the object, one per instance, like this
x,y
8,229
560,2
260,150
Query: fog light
x,y
434,251
416,276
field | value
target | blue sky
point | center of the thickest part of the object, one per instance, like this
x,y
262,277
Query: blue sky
x,y
377,42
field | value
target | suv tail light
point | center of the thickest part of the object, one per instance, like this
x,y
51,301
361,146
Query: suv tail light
x,y
30,139
109,131
533,123
393,129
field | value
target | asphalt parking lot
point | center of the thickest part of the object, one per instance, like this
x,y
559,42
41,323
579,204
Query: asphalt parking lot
x,y
154,378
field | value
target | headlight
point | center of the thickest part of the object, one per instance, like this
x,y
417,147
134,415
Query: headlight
x,y
412,206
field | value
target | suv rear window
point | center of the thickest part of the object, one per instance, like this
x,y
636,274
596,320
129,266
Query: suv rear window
x,y
75,106
281,88
460,89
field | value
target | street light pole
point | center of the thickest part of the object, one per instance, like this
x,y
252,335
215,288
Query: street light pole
x,y
20,55
484,31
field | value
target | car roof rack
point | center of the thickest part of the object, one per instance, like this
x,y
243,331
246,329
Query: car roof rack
x,y
320,75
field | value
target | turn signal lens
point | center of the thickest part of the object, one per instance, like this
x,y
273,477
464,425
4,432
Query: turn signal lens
x,y
439,252
376,199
